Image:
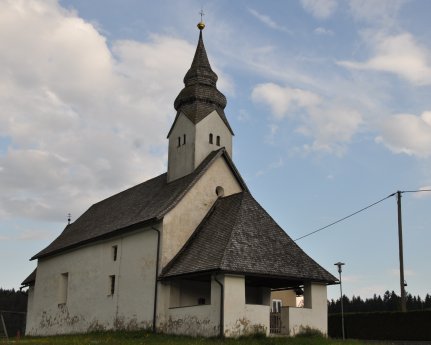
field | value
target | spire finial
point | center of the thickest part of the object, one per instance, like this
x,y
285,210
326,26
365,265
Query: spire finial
x,y
201,24
68,218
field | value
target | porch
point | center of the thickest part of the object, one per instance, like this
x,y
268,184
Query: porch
x,y
290,320
236,305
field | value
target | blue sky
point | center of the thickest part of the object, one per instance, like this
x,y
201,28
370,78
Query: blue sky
x,y
329,102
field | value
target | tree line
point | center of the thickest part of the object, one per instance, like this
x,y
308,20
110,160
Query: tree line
x,y
11,300
13,306
389,302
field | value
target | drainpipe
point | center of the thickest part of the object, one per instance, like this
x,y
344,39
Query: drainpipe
x,y
221,306
157,276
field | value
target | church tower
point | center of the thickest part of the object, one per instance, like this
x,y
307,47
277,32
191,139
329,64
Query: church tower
x,y
200,125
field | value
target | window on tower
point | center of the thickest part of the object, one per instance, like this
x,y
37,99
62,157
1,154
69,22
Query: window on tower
x,y
211,138
184,139
179,141
218,140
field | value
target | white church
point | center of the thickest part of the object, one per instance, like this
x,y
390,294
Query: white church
x,y
187,252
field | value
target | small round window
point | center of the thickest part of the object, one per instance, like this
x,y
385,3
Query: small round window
x,y
220,191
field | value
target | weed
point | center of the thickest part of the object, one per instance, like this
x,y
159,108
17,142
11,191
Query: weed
x,y
309,332
308,337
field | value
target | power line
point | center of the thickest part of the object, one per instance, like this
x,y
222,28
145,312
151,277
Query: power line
x,y
416,191
362,209
344,218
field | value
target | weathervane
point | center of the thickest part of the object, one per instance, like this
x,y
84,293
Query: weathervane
x,y
68,219
201,24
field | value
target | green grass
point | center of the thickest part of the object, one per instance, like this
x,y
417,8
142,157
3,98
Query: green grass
x,y
144,338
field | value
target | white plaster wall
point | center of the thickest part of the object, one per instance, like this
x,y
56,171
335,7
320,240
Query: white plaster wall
x,y
193,321
201,320
181,159
240,318
89,304
181,221
258,316
30,301
215,125
293,320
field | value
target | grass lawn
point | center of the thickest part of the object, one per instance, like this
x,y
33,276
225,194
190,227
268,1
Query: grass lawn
x,y
144,338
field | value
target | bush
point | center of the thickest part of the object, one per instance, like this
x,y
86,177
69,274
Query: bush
x,y
413,325
309,332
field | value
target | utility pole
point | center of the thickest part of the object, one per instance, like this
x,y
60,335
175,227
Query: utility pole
x,y
339,265
400,242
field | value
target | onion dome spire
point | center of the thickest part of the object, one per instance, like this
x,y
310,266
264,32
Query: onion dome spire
x,y
200,95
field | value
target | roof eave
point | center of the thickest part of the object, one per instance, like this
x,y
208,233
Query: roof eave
x,y
30,280
249,274
108,235
180,111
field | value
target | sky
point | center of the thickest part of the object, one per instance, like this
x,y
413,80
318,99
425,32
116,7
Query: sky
x,y
329,102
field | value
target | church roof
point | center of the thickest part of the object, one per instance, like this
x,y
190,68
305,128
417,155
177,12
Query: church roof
x,y
30,279
239,236
144,203
200,95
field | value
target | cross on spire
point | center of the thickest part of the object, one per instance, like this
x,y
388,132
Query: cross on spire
x,y
201,24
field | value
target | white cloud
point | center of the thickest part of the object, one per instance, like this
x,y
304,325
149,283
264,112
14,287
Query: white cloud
x,y
323,31
243,116
34,234
399,54
273,130
84,120
268,21
283,99
407,133
330,126
279,163
18,233
382,12
319,8
425,194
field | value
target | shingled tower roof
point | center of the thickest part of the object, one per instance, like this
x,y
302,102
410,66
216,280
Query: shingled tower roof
x,y
200,95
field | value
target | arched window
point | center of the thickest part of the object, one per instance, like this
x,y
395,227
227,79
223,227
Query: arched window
x,y
211,138
184,139
218,140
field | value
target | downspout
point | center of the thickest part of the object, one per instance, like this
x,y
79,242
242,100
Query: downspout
x,y
156,283
221,306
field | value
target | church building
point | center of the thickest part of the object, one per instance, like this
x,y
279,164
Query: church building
x,y
187,252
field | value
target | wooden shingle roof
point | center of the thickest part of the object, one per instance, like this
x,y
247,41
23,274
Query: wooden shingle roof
x,y
239,236
147,202
30,279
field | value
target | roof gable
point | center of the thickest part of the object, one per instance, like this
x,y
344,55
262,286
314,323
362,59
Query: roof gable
x,y
147,202
239,236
